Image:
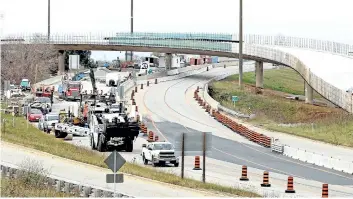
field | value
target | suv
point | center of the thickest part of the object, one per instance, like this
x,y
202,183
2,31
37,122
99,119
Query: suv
x,y
159,153
47,122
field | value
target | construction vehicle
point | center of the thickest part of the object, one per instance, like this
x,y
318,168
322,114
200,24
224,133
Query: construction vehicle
x,y
70,90
111,130
44,91
25,85
70,122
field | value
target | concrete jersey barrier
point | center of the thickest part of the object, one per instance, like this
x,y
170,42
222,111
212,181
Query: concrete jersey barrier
x,y
299,154
319,159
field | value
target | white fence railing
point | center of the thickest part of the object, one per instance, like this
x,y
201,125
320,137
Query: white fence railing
x,y
330,92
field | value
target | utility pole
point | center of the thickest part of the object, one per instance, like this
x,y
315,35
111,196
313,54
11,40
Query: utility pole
x,y
241,44
48,20
132,21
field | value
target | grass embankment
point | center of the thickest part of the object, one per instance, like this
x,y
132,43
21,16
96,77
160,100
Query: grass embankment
x,y
272,109
29,182
17,188
36,139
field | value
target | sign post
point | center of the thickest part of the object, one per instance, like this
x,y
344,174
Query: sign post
x,y
204,158
114,162
235,99
182,155
193,144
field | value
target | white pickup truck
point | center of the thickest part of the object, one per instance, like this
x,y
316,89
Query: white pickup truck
x,y
159,153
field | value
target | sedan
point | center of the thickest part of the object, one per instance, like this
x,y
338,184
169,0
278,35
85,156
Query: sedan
x,y
34,115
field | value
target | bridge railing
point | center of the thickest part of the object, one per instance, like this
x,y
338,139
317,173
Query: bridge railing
x,y
114,38
330,92
297,42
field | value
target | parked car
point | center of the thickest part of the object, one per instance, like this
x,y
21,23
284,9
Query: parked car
x,y
44,100
47,122
34,115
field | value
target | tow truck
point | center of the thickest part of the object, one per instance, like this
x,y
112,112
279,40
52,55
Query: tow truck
x,y
111,130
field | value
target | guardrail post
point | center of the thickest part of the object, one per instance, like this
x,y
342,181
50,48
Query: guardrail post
x,y
3,170
86,191
58,185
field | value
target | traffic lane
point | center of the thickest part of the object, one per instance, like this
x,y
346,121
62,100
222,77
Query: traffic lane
x,y
258,157
162,98
193,116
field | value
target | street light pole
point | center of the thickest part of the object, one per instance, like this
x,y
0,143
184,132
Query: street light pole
x,y
48,20
241,44
132,21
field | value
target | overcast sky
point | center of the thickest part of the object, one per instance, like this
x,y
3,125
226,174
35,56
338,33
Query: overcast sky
x,y
320,19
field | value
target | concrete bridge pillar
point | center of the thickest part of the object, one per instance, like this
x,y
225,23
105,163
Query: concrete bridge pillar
x,y
308,93
168,61
259,74
61,62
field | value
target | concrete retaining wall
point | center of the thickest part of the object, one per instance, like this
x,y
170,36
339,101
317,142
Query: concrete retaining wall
x,y
64,185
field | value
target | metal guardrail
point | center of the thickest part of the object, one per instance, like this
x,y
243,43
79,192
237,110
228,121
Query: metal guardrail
x,y
66,186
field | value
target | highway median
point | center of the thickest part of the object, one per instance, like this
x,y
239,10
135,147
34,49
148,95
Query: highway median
x,y
33,138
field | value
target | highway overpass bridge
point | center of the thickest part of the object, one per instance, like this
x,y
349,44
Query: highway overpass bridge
x,y
288,51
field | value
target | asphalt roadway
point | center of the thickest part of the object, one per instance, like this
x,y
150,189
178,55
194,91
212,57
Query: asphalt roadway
x,y
172,112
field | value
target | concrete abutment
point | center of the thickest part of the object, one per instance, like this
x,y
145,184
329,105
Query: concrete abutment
x,y
259,75
308,94
61,62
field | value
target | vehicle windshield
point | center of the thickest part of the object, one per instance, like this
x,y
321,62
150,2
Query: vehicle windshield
x,y
163,147
35,111
53,117
43,99
74,85
115,106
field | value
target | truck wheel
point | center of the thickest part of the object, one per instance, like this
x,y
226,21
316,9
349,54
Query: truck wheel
x,y
153,163
57,134
92,143
129,145
62,135
145,161
101,146
176,164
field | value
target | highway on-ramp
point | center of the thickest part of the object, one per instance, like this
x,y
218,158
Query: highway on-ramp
x,y
173,112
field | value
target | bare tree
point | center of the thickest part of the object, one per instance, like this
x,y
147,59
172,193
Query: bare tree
x,y
34,59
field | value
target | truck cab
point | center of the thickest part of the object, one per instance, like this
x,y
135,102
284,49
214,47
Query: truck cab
x,y
144,69
25,85
71,90
159,153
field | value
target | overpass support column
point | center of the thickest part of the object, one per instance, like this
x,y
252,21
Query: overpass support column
x,y
308,93
168,61
259,74
61,62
